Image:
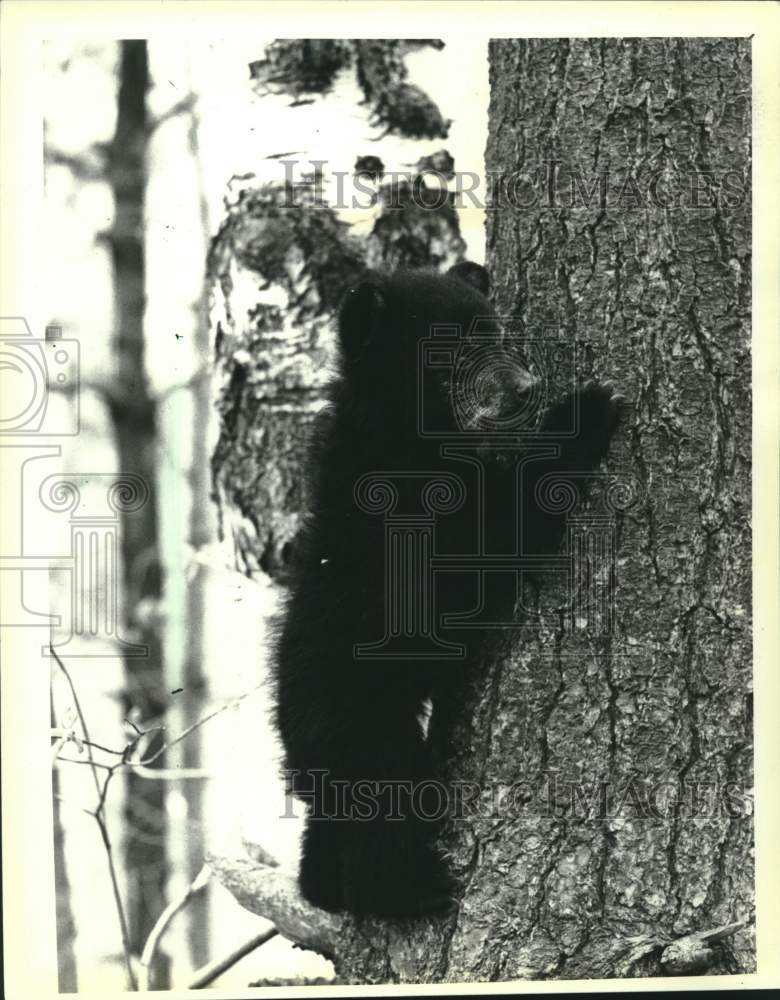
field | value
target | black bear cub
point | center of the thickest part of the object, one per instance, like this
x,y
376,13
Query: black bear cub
x,y
355,747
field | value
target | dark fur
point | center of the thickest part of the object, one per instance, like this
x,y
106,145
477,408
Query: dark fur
x,y
359,719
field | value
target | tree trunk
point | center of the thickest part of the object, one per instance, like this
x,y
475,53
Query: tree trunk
x,y
283,257
134,417
66,927
607,757
177,314
653,719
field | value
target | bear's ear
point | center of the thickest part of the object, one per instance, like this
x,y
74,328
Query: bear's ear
x,y
360,317
473,274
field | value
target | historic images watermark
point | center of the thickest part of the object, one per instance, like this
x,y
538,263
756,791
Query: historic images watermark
x,y
555,185
550,797
31,371
489,362
30,368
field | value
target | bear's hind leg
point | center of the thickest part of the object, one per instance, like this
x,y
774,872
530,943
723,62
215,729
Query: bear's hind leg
x,y
321,876
391,865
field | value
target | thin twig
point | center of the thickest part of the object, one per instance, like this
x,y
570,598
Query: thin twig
x,y
151,774
90,763
142,768
100,819
164,920
111,396
141,765
185,104
82,721
208,973
171,773
70,805
206,718
55,750
99,746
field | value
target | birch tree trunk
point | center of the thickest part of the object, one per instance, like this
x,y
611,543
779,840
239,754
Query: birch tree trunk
x,y
608,831
177,227
291,242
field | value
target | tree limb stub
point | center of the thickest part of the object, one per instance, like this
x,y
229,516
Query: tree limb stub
x,y
693,953
273,894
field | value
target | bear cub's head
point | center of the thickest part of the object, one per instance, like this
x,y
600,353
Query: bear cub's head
x,y
422,354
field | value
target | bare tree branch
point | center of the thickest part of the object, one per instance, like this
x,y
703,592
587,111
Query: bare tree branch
x,y
185,105
196,725
152,774
66,734
164,920
83,168
112,395
272,893
208,973
101,822
141,766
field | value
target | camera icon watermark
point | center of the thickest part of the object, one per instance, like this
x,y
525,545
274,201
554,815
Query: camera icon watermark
x,y
29,369
497,383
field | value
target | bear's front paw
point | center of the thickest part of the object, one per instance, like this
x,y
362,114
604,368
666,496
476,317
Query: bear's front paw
x,y
437,891
409,891
597,410
599,405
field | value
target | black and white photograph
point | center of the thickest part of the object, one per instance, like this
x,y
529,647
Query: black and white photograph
x,y
390,497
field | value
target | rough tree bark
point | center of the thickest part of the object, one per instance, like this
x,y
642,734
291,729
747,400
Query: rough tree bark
x,y
659,292
611,834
